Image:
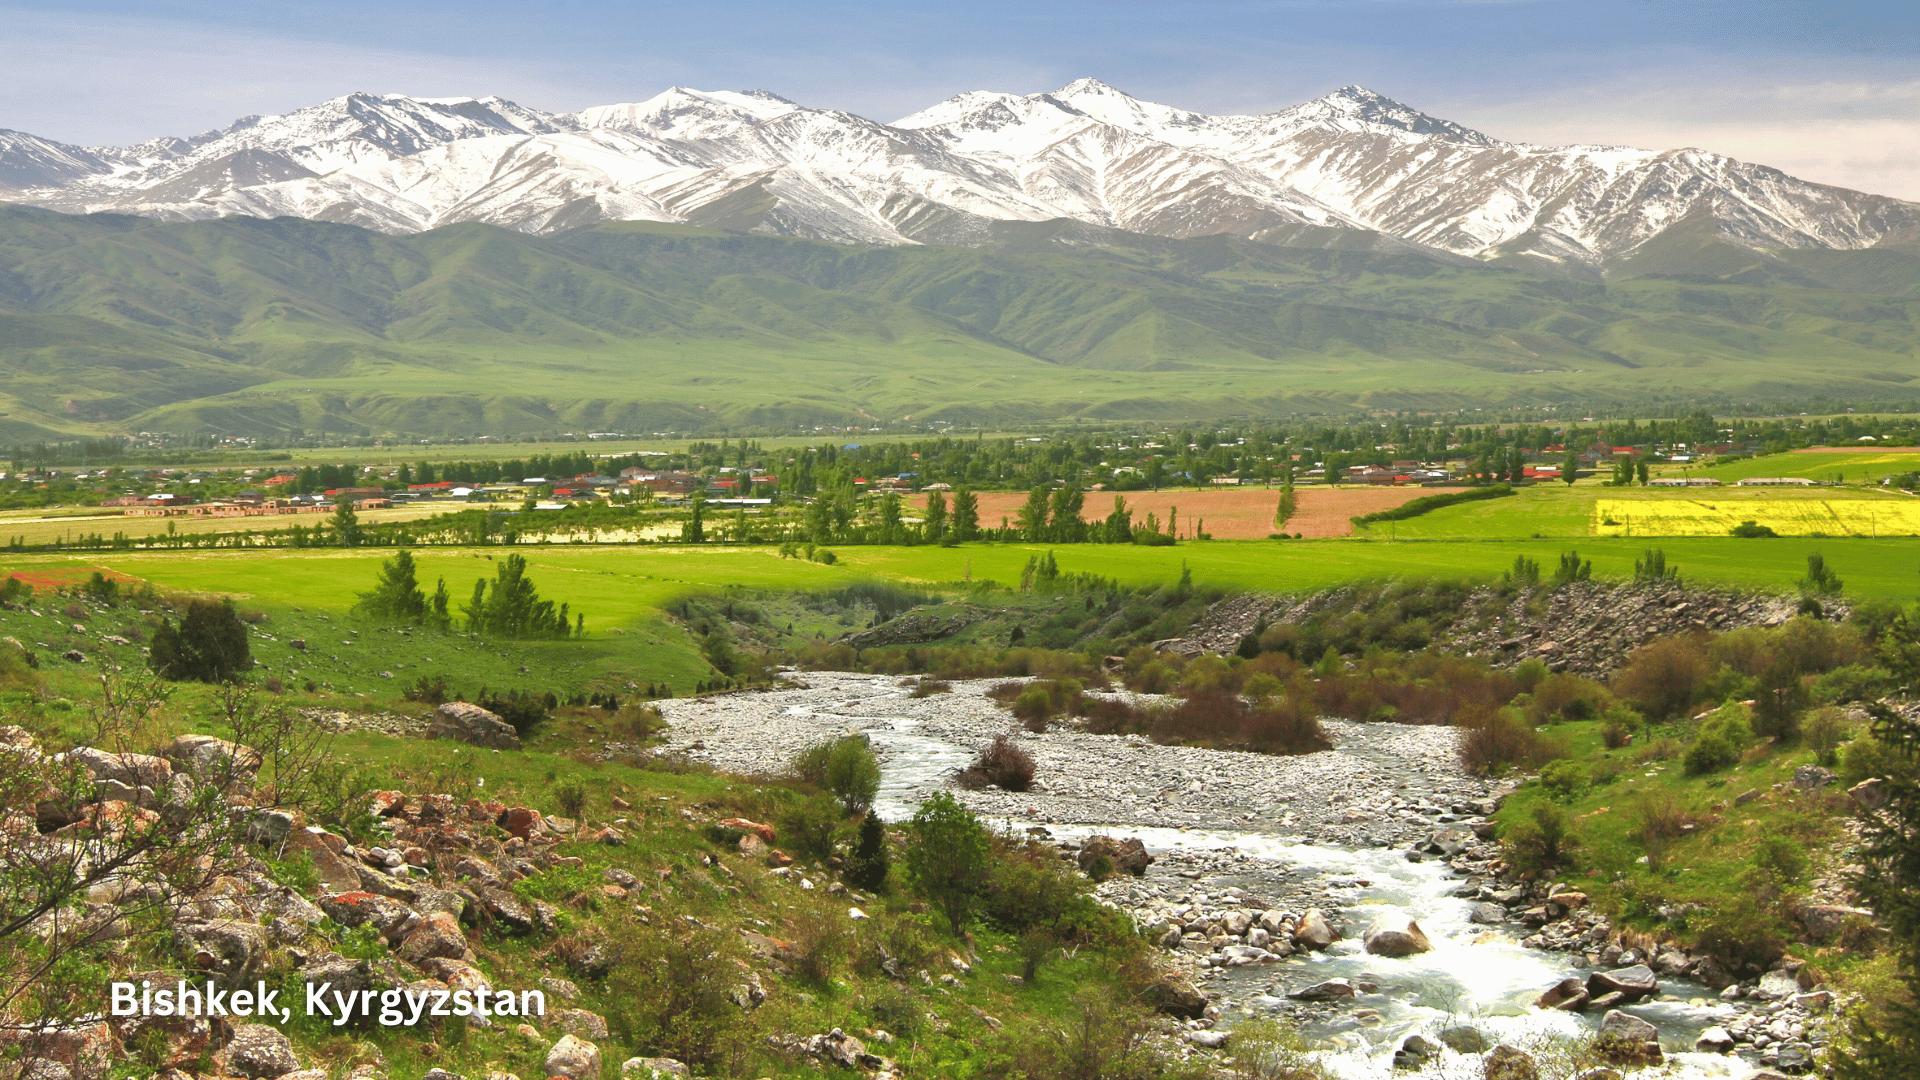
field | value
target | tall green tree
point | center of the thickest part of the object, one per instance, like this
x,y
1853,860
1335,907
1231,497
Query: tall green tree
x,y
1066,526
510,606
966,514
1032,519
1118,528
935,524
346,523
694,529
891,529
396,595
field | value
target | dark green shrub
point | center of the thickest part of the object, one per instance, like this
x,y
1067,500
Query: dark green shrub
x,y
1540,840
852,773
869,861
1564,779
1722,738
1824,732
669,994
524,709
807,827
948,857
209,645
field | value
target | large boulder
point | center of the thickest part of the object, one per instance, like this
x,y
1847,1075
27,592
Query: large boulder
x,y
1625,1039
1175,996
1825,922
1128,856
1314,931
233,950
1400,937
389,916
207,758
1568,995
258,1052
1331,990
574,1057
133,770
1714,1040
471,724
1633,983
437,934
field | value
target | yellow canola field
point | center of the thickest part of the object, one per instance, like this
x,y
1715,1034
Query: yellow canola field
x,y
1714,516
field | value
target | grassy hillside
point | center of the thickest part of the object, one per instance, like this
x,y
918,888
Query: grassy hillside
x,y
112,323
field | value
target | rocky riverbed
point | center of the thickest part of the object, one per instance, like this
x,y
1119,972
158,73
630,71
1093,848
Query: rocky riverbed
x,y
1280,885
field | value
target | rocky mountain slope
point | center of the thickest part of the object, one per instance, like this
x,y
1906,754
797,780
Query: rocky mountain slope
x,y
1352,160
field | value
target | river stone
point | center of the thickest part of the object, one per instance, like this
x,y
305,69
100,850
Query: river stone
x,y
1237,923
1766,1074
1714,1040
1314,931
1331,990
1450,842
1129,856
1398,938
1507,1063
1635,982
1626,1039
1212,1040
1488,913
1712,974
1601,1073
1775,985
1414,1052
1464,1040
1605,1002
1175,996
1568,995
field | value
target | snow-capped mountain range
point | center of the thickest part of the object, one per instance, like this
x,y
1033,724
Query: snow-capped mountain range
x,y
947,174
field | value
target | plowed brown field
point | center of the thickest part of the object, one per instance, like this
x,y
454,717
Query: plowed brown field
x,y
1229,513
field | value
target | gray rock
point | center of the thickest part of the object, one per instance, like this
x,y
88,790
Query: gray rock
x,y
656,1068
1331,990
1625,1039
133,770
1775,985
1871,793
471,724
1714,1040
1175,996
1414,1052
257,1051
1569,995
587,1025
573,1057
1488,913
207,758
1212,1040
1635,982
1812,777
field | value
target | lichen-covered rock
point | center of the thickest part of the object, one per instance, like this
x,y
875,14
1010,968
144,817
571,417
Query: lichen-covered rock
x,y
1508,1063
260,1052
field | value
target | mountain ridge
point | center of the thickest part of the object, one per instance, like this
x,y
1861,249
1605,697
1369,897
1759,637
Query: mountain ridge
x,y
268,326
950,173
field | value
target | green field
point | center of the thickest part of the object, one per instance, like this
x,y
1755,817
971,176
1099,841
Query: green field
x,y
1853,468
617,586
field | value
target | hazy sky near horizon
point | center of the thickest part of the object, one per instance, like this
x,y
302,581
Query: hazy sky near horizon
x,y
1829,91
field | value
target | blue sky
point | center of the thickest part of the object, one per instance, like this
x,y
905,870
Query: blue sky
x,y
1829,91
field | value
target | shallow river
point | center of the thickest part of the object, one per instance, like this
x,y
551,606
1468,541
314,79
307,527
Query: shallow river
x,y
1475,975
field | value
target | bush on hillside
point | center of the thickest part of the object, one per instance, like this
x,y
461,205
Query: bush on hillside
x,y
1496,740
208,645
1664,677
1722,738
869,861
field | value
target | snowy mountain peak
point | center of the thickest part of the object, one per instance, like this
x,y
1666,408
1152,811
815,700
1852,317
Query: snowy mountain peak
x,y
754,160
1356,108
680,112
